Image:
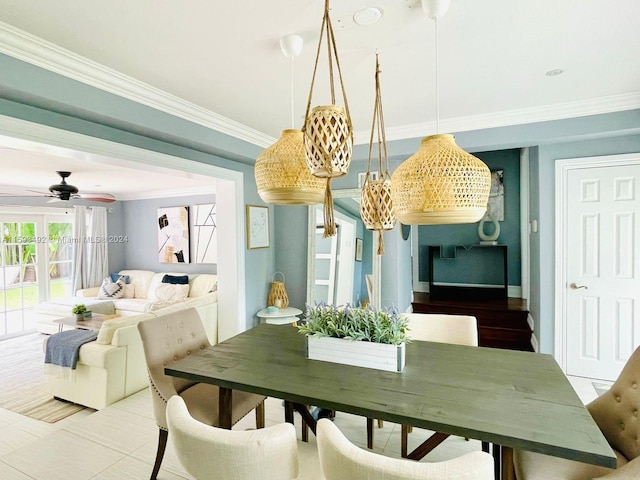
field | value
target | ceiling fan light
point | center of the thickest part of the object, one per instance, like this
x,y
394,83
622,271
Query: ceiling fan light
x,y
282,175
440,184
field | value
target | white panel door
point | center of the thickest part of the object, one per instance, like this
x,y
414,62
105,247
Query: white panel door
x,y
603,280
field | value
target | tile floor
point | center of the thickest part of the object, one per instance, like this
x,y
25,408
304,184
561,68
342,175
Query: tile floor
x,y
119,442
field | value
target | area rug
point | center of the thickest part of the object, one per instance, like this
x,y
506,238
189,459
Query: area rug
x,y
23,386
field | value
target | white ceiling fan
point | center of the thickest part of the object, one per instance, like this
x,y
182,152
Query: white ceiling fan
x,y
63,192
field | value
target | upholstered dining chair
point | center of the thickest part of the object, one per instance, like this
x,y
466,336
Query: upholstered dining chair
x,y
342,460
616,413
456,329
271,453
168,338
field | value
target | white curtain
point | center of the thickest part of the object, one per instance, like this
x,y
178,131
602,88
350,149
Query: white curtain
x,y
79,242
97,254
90,247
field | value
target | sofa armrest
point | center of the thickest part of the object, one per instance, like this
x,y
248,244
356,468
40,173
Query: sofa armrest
x,y
126,336
88,292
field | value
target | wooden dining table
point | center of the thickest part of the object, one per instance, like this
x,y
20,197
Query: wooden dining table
x,y
512,399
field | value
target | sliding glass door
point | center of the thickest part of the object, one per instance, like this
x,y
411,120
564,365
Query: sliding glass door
x,y
60,258
35,266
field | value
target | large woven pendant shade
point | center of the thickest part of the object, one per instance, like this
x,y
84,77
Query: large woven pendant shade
x,y
281,172
282,175
327,129
440,184
376,205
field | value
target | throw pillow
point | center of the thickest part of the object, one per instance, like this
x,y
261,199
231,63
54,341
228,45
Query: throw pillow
x,y
110,289
171,292
176,279
116,276
129,291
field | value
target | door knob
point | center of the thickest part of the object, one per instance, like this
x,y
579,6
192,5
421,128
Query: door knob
x,y
575,286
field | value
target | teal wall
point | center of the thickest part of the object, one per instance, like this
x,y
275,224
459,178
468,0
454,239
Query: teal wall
x,y
141,231
467,234
34,94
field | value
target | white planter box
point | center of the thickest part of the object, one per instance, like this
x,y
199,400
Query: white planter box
x,y
380,356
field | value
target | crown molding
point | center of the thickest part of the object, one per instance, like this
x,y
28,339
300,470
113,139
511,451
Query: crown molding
x,y
36,51
594,106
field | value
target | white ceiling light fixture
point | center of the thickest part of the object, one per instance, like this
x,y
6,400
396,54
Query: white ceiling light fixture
x,y
291,45
367,16
440,183
281,172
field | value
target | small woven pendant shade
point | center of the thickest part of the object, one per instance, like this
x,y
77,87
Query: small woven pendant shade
x,y
282,175
376,205
278,295
328,141
440,184
328,132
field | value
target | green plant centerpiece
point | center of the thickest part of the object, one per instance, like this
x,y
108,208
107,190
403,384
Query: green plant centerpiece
x,y
79,310
363,337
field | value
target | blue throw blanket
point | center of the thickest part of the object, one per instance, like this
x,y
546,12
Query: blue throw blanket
x,y
63,348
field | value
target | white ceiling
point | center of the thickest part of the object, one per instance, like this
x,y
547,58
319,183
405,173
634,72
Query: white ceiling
x,y
27,172
493,56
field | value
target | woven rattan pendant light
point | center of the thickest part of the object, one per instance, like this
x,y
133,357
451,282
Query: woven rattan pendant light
x,y
376,206
440,183
281,169
327,129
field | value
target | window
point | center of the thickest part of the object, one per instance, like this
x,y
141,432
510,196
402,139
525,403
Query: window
x,y
26,255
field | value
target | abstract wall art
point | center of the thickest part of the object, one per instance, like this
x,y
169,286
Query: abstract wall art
x,y
204,233
173,235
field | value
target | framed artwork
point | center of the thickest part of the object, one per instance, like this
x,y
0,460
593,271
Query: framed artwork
x,y
204,233
495,207
173,235
257,226
358,249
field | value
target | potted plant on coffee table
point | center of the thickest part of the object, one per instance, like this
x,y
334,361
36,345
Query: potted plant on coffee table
x,y
79,310
363,337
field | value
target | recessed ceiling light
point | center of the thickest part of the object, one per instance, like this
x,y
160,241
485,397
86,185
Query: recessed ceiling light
x,y
367,16
555,72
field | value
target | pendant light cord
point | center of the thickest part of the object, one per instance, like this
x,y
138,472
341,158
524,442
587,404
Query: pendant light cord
x,y
437,83
292,100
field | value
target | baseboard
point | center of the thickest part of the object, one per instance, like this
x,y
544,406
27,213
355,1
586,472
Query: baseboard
x,y
513,291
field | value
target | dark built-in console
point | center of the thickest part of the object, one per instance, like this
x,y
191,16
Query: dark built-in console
x,y
473,280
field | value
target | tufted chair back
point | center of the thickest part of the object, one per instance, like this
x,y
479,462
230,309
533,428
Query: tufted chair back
x,y
616,411
165,339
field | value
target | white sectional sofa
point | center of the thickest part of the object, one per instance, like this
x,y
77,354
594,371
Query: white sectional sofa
x,y
113,366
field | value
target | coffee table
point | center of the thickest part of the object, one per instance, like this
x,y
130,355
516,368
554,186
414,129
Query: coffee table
x,y
93,323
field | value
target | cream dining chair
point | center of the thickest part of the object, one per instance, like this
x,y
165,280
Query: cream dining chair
x,y
342,460
168,338
456,329
271,453
616,412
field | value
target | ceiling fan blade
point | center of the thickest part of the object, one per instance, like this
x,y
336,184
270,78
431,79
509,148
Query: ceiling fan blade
x,y
48,194
54,200
18,195
97,197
